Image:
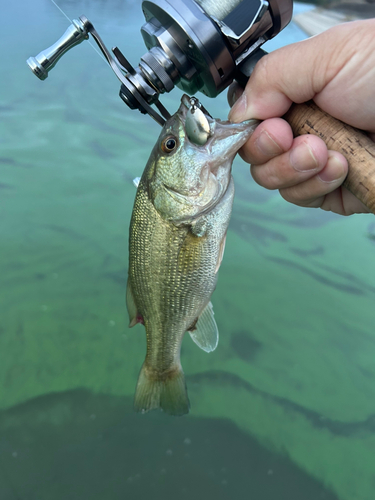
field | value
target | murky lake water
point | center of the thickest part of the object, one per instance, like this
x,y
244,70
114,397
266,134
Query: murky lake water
x,y
283,409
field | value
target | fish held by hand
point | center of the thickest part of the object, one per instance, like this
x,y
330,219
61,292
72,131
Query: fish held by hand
x,y
176,244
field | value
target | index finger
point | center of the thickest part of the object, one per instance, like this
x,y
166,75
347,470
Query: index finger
x,y
271,138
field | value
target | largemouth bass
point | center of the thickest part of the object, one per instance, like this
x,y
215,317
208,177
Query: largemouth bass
x,y
177,237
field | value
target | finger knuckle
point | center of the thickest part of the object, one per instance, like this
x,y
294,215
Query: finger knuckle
x,y
293,195
263,178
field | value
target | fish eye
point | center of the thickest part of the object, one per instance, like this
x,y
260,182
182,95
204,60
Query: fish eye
x,y
169,144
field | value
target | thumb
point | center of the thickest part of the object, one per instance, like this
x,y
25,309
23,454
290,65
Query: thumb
x,y
295,73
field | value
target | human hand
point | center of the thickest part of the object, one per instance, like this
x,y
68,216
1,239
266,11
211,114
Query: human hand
x,y
337,70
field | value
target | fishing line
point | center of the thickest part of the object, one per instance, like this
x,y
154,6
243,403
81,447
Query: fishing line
x,y
93,46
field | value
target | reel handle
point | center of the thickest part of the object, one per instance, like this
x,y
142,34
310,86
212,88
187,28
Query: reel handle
x,y
41,64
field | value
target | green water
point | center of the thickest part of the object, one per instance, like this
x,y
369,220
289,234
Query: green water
x,y
283,409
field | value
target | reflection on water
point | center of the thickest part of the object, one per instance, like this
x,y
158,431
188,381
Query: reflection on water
x,y
284,408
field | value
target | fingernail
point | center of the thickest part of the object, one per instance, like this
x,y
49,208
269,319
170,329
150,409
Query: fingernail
x,y
302,159
267,145
334,170
234,93
237,113
231,96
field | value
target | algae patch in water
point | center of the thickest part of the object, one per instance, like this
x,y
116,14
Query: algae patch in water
x,y
77,445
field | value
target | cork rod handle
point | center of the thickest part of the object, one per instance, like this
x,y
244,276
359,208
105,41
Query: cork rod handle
x,y
354,144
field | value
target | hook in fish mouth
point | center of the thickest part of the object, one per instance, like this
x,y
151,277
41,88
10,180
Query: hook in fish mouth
x,y
199,124
196,104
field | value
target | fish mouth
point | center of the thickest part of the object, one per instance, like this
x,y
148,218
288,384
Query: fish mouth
x,y
220,138
215,142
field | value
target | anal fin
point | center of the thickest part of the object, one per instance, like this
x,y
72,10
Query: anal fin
x,y
206,333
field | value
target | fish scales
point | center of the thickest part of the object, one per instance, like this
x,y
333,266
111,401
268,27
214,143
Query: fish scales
x,y
177,235
159,249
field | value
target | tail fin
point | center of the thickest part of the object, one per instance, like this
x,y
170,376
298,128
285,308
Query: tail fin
x,y
167,392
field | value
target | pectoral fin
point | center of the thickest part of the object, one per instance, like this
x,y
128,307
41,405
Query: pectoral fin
x,y
221,253
199,228
205,333
134,316
190,254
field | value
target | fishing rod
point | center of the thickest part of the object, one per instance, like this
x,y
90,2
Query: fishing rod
x,y
202,46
